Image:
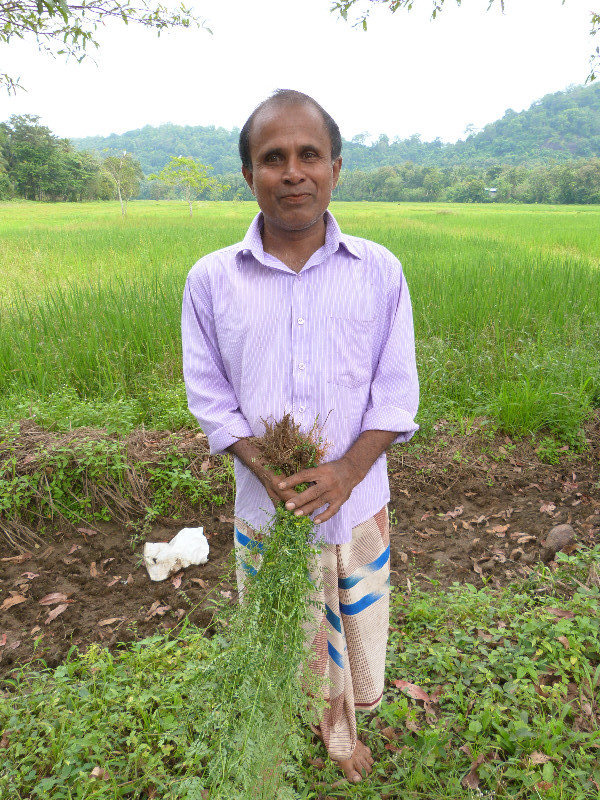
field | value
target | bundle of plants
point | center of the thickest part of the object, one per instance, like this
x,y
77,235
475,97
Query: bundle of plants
x,y
250,707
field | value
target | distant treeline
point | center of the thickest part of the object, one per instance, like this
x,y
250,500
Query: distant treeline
x,y
37,165
571,182
559,127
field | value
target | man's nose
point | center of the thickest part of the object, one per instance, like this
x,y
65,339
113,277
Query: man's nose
x,y
293,172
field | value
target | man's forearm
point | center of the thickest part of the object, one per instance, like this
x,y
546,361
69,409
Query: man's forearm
x,y
249,454
366,450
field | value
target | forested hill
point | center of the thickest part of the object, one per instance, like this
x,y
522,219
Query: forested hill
x,y
559,127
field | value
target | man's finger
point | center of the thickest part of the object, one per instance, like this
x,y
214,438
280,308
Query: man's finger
x,y
328,513
310,507
304,476
301,498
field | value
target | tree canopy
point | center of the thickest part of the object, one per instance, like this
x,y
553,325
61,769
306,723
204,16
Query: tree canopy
x,y
68,27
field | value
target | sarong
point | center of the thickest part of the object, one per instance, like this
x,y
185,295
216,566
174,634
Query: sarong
x,y
349,631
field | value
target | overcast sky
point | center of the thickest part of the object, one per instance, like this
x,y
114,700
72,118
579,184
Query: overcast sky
x,y
405,75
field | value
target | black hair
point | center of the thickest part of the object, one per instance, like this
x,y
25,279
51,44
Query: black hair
x,y
289,97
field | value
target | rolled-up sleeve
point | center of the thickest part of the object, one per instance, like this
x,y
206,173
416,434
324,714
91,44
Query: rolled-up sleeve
x,y
211,398
394,397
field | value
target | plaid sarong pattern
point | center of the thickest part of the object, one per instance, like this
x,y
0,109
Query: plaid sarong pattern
x,y
349,629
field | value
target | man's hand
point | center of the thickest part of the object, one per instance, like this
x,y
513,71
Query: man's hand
x,y
331,485
250,455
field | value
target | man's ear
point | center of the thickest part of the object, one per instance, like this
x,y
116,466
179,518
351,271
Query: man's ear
x,y
249,178
337,165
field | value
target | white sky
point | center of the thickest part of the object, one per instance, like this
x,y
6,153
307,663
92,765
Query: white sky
x,y
405,75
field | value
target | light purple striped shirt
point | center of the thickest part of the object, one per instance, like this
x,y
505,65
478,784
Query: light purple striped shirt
x,y
334,342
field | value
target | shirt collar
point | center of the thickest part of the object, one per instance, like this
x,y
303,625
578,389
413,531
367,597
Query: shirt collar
x,y
252,242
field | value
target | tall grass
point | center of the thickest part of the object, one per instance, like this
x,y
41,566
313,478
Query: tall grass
x,y
506,302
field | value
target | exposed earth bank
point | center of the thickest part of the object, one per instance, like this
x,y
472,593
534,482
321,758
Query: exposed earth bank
x,y
468,507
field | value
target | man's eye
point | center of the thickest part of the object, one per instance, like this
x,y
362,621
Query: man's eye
x,y
272,157
310,154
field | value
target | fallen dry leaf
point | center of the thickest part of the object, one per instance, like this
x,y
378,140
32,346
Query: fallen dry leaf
x,y
52,599
227,595
16,559
4,740
35,629
453,514
48,552
471,779
499,530
565,642
389,733
426,515
176,581
55,613
100,773
2,640
543,786
105,561
87,531
11,601
30,575
539,758
94,570
115,579
433,532
317,762
205,465
547,508
110,621
200,582
561,613
73,549
229,520
403,556
157,610
412,690
129,580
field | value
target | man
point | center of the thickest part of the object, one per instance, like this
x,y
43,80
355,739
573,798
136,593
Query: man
x,y
300,318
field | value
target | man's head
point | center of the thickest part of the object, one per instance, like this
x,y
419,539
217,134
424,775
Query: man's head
x,y
290,150
282,98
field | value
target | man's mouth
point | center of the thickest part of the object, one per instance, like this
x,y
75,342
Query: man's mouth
x,y
296,198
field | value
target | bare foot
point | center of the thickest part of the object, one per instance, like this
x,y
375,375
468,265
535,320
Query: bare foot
x,y
359,760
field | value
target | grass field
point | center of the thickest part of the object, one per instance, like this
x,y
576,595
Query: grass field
x,y
507,315
506,301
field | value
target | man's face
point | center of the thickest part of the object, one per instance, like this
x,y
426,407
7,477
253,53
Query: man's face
x,y
292,174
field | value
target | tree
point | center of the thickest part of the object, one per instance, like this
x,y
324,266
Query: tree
x,y
363,11
187,174
68,27
126,174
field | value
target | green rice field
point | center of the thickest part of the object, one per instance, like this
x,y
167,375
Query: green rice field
x,y
506,301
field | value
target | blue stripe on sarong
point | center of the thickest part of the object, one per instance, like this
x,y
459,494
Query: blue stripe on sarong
x,y
333,619
245,541
380,561
248,568
335,656
360,605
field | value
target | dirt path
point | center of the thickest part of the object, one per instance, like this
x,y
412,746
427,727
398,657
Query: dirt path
x,y
464,508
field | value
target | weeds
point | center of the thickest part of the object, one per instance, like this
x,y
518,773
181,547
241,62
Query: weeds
x,y
507,692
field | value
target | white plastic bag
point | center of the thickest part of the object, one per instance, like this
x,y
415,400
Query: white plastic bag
x,y
162,559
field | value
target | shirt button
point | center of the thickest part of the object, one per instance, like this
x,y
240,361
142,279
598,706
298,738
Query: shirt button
x,y
300,321
299,277
301,366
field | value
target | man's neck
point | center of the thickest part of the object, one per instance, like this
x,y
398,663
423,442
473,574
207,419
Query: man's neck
x,y
293,248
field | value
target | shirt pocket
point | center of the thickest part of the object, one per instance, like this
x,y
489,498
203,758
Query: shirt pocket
x,y
351,324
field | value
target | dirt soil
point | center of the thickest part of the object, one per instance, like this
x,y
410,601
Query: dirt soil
x,y
463,508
